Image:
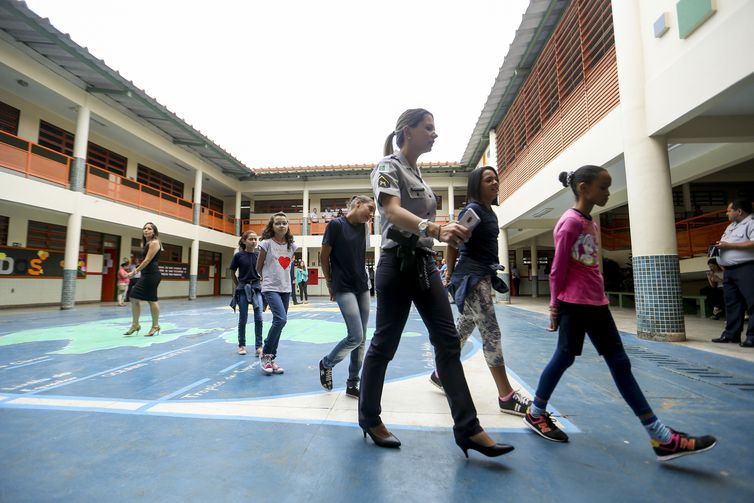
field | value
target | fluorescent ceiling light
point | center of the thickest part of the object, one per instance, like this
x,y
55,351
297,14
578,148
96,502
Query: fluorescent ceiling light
x,y
542,212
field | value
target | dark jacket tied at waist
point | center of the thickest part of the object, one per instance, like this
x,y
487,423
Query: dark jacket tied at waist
x,y
467,273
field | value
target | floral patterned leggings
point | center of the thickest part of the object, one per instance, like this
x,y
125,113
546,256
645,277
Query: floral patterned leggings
x,y
479,312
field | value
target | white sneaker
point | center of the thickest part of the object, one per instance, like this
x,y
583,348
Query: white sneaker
x,y
277,369
266,365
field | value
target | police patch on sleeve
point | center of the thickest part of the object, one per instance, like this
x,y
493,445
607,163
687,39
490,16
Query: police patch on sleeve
x,y
383,167
384,181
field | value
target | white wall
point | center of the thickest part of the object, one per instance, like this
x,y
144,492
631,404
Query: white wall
x,y
713,58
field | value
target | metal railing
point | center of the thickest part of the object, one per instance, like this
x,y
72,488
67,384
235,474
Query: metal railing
x,y
34,160
128,191
694,235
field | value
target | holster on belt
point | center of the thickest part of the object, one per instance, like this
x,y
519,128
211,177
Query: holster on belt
x,y
406,248
413,259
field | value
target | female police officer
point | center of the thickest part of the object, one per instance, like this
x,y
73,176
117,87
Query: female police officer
x,y
406,274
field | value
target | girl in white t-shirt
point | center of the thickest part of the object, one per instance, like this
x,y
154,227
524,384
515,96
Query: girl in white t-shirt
x,y
274,265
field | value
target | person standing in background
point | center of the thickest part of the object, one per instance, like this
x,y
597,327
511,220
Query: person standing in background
x,y
737,258
123,282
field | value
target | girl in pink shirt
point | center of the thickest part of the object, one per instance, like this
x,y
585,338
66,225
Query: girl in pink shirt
x,y
578,306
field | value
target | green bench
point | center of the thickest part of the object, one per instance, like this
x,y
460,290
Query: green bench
x,y
627,300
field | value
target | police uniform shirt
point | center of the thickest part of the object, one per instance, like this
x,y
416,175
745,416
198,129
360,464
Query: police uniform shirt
x,y
394,176
738,232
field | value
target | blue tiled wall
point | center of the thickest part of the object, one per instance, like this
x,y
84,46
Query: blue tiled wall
x,y
659,303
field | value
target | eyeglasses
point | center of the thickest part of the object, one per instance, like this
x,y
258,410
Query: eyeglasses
x,y
280,223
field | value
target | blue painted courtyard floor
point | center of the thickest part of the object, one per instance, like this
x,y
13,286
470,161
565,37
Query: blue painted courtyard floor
x,y
87,414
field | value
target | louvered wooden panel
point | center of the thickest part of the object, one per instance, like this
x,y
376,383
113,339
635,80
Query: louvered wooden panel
x,y
572,85
574,117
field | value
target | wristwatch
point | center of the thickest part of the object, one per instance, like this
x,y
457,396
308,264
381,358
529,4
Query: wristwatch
x,y
424,228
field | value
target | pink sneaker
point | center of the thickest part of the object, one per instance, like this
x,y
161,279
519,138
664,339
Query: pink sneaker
x,y
266,365
277,369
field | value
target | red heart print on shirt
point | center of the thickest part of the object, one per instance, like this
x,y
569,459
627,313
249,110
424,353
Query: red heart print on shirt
x,y
284,262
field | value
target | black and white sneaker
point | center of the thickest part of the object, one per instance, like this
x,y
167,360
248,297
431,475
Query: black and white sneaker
x,y
352,391
325,376
517,405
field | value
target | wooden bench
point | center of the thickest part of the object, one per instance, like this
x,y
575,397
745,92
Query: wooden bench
x,y
699,300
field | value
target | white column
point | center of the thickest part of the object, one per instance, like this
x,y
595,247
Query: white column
x,y
451,202
71,260
687,197
502,253
657,282
193,269
197,196
80,143
492,158
377,249
238,213
533,270
305,209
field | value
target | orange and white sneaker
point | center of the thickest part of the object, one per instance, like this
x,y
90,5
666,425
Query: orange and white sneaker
x,y
681,444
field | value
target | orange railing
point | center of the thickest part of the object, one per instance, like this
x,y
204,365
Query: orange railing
x,y
615,238
696,234
258,224
693,235
124,190
217,221
33,160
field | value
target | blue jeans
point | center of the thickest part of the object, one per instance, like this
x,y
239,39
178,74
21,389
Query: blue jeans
x,y
243,316
278,302
355,310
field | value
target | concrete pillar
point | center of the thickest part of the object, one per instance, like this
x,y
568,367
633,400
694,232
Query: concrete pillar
x,y
687,198
305,211
238,213
71,260
657,279
492,158
193,269
451,202
80,144
533,271
502,253
197,196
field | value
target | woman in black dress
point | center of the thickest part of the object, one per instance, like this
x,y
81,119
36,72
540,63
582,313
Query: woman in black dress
x,y
146,287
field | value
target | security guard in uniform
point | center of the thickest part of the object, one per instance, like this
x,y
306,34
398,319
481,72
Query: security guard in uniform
x,y
406,273
737,258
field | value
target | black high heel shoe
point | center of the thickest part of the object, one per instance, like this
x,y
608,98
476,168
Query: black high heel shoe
x,y
390,442
491,452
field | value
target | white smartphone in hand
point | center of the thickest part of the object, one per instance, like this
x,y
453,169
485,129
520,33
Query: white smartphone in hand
x,y
470,219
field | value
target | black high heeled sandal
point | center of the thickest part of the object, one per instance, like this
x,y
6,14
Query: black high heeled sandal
x,y
491,451
390,442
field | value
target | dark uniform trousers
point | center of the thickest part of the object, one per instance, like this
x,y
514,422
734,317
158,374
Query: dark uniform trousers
x,y
738,290
395,293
